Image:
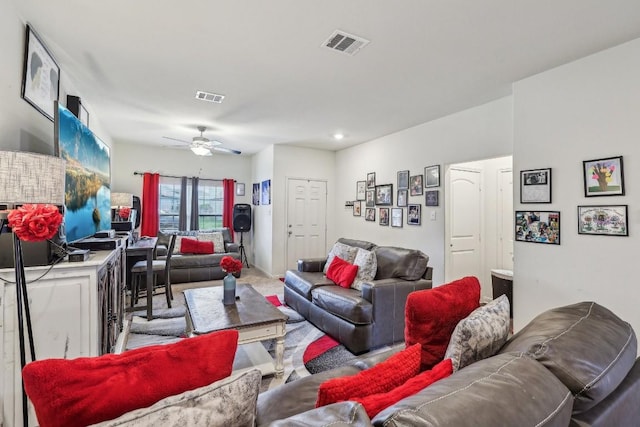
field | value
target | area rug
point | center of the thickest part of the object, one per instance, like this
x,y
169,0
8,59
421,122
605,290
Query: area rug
x,y
307,351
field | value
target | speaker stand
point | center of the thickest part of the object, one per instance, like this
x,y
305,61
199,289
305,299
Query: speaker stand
x,y
243,254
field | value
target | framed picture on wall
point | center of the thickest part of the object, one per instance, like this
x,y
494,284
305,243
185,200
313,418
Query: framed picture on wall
x,y
371,180
384,216
361,188
431,198
535,186
239,189
432,176
414,216
403,180
384,195
415,186
40,76
266,192
403,196
255,196
538,227
370,198
603,177
396,217
357,208
370,214
609,220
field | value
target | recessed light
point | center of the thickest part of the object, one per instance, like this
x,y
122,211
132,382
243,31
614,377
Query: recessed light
x,y
338,136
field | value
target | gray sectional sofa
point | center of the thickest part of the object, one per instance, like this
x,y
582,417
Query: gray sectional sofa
x,y
360,319
198,267
571,366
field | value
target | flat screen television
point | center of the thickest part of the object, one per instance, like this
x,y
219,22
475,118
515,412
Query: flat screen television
x,y
87,197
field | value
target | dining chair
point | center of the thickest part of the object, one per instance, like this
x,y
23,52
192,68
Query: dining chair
x,y
159,266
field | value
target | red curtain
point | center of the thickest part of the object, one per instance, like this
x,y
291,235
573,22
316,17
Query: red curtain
x,y
228,188
150,218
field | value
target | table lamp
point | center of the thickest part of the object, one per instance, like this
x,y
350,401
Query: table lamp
x,y
28,178
119,201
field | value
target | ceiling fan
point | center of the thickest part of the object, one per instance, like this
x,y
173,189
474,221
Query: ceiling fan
x,y
202,146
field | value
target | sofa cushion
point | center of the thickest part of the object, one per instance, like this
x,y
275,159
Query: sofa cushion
x,y
346,303
480,334
367,267
193,246
303,282
343,414
195,261
346,252
431,315
375,403
401,263
230,401
380,378
503,390
216,238
341,272
585,345
88,390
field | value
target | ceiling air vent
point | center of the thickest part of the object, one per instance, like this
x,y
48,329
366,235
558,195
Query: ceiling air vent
x,y
208,96
345,42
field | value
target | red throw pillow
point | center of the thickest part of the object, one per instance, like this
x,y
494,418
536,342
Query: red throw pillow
x,y
89,390
431,315
380,378
193,246
375,403
342,272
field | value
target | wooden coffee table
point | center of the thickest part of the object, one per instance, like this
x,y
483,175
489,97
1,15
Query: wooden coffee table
x,y
255,318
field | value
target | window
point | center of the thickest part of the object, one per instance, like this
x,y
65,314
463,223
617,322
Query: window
x,y
210,203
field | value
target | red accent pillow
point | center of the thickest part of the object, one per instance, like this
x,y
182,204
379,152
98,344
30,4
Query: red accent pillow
x,y
89,390
381,378
431,315
375,403
342,272
193,246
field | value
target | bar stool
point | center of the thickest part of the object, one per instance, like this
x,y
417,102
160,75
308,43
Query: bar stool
x,y
159,266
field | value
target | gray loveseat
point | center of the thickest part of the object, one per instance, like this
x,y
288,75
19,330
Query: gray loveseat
x,y
570,366
359,319
198,267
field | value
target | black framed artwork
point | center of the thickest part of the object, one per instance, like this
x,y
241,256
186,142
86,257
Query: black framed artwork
x,y
535,186
415,186
384,216
431,198
414,214
361,188
603,177
371,180
403,180
396,217
384,195
538,227
41,75
605,220
432,176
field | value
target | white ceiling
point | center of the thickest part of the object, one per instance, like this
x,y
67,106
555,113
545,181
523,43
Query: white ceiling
x,y
137,64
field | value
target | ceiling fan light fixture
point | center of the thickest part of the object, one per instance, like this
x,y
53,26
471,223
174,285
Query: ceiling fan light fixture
x,y
200,150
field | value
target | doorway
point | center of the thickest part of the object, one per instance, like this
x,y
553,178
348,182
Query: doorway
x,y
479,219
306,226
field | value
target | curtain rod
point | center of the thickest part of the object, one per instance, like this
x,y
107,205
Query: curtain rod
x,y
174,176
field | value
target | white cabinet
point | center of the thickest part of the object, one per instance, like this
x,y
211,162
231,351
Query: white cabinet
x,y
76,311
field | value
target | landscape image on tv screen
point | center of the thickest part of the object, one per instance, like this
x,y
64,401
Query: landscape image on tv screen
x,y
88,177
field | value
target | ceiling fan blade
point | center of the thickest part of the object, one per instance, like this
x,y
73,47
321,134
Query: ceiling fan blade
x,y
176,139
226,150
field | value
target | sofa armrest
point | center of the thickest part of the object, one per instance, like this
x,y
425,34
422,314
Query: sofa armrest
x,y
311,265
231,247
428,273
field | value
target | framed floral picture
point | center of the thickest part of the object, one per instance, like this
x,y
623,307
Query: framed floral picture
x,y
608,220
603,177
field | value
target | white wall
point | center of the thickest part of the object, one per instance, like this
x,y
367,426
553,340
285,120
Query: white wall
x,y
262,225
584,110
22,127
478,133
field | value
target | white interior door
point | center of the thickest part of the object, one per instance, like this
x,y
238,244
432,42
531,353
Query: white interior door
x,y
464,228
505,228
306,226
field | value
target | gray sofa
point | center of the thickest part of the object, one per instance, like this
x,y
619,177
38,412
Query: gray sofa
x,y
366,319
198,267
570,366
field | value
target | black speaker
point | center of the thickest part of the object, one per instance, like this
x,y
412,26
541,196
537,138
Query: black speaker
x,y
241,217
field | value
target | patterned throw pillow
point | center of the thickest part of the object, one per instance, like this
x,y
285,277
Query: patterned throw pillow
x,y
231,401
367,266
216,238
346,252
178,244
481,334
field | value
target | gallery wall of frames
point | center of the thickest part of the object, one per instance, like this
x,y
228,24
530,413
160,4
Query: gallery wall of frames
x,y
601,177
375,202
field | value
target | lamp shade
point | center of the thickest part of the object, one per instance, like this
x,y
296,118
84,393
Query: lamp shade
x,y
121,199
31,178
